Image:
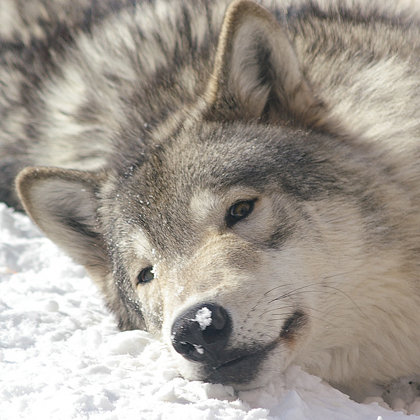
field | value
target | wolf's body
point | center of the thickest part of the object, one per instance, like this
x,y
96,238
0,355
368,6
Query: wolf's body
x,y
246,191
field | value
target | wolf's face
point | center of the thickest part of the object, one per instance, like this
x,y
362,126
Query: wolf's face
x,y
213,225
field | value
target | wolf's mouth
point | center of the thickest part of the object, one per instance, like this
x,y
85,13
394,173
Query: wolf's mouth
x,y
234,362
241,367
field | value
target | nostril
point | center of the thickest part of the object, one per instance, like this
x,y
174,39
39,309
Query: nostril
x,y
219,318
189,349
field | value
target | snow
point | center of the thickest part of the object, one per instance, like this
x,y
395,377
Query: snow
x,y
203,317
62,357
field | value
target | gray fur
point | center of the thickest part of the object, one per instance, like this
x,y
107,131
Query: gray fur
x,y
147,122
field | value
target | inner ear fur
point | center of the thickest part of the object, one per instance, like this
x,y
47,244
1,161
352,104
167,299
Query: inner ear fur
x,y
257,74
63,203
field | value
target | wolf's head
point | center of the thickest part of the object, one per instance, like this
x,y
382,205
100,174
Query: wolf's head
x,y
215,239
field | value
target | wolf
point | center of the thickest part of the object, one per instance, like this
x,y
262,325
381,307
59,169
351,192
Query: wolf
x,y
239,179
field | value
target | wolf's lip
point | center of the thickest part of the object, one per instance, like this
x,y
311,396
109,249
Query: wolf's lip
x,y
234,362
254,355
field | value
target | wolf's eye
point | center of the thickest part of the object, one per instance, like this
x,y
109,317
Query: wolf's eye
x,y
239,211
145,275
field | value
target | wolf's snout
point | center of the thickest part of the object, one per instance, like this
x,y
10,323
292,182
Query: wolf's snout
x,y
201,333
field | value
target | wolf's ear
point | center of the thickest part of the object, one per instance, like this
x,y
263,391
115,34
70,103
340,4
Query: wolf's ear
x,y
256,72
64,205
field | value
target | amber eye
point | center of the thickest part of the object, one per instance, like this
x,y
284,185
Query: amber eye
x,y
239,211
145,275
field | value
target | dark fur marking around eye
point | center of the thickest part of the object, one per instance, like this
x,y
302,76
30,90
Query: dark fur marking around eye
x,y
293,324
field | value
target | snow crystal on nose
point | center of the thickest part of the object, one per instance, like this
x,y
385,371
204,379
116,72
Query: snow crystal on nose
x,y
203,317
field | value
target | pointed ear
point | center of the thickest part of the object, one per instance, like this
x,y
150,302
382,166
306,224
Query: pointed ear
x,y
256,72
63,203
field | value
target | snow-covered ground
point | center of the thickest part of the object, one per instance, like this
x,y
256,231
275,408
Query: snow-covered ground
x,y
62,357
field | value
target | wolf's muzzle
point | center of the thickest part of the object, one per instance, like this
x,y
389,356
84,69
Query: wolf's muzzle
x,y
201,334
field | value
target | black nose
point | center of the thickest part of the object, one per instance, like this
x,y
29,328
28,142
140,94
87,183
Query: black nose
x,y
201,333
